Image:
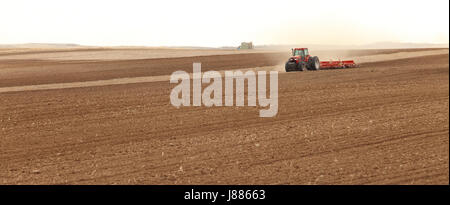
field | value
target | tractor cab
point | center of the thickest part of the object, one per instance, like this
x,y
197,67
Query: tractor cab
x,y
301,52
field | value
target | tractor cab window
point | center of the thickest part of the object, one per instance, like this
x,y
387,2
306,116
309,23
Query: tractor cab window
x,y
299,53
306,52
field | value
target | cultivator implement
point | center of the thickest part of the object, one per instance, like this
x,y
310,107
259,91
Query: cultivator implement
x,y
338,64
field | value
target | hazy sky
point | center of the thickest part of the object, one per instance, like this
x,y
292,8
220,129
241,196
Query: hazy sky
x,y
223,22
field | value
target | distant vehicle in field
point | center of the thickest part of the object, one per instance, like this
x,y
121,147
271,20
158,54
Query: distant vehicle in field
x,y
301,61
246,45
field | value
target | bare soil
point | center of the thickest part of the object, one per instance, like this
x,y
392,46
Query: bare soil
x,y
384,123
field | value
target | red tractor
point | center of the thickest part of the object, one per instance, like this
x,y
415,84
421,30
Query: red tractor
x,y
301,61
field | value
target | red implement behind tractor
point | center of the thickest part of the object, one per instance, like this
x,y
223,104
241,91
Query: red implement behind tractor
x,y
301,61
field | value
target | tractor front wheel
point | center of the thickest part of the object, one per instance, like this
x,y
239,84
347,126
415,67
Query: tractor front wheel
x,y
301,66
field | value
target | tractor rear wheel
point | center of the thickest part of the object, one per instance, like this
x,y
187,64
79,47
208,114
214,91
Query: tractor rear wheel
x,y
287,67
314,63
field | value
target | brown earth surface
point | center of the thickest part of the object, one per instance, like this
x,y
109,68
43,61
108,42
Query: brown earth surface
x,y
19,72
383,123
30,72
